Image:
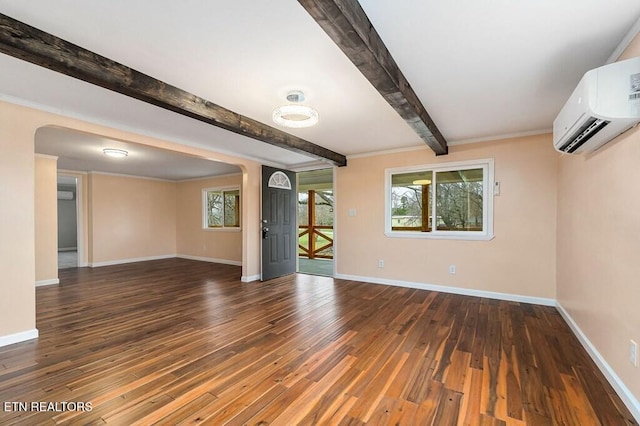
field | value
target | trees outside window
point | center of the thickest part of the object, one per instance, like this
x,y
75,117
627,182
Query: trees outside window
x,y
221,207
443,200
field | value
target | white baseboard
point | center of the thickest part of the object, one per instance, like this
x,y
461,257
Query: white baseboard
x,y
132,260
18,337
52,281
210,259
618,385
454,290
250,278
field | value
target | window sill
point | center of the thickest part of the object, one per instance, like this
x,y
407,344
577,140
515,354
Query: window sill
x,y
436,236
223,229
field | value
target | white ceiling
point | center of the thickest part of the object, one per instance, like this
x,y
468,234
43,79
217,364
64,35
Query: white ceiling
x,y
83,152
483,69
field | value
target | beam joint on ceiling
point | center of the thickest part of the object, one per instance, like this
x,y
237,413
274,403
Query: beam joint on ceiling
x,y
346,23
30,44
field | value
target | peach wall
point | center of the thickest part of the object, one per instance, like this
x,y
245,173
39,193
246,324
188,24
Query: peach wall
x,y
599,244
131,218
17,244
192,239
18,126
46,219
520,260
251,215
134,218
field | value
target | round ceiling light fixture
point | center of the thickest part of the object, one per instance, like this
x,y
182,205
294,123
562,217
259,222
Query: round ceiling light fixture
x,y
295,115
116,153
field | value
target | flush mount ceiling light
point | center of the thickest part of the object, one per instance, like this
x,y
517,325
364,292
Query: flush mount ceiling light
x,y
422,182
113,152
295,115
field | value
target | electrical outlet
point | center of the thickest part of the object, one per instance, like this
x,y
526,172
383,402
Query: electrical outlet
x,y
452,269
633,353
380,263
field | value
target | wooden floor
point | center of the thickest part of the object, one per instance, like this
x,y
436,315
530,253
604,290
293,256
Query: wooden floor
x,y
179,341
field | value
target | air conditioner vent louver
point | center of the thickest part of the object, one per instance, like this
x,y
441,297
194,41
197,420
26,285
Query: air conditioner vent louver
x,y
584,133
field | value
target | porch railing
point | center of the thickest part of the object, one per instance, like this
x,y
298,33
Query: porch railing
x,y
313,250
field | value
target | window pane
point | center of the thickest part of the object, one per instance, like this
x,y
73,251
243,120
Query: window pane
x,y
232,208
214,209
459,200
411,201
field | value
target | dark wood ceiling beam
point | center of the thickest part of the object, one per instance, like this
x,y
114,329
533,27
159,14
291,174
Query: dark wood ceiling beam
x,y
25,42
348,26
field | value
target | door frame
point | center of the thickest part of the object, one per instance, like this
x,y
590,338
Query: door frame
x,y
80,213
334,174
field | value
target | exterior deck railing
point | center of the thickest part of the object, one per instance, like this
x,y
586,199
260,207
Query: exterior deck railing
x,y
311,250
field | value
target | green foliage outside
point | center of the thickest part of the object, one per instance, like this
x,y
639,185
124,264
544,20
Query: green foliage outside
x,y
320,241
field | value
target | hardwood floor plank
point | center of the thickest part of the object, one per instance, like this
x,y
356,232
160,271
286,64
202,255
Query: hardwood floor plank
x,y
135,412
333,400
185,342
600,397
399,388
280,408
381,415
448,408
186,410
470,409
115,399
533,395
468,332
250,408
422,382
477,351
455,374
417,335
547,368
379,385
296,411
404,414
513,383
486,420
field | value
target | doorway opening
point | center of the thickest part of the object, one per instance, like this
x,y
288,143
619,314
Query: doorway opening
x,y
141,207
67,222
316,232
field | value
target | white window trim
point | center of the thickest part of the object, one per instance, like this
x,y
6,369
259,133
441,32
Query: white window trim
x,y
222,228
279,180
486,164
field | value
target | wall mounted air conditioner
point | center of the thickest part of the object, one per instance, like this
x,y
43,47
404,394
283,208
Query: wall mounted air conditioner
x,y
65,195
605,103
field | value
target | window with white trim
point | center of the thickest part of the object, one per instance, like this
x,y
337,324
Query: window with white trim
x,y
446,200
221,208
